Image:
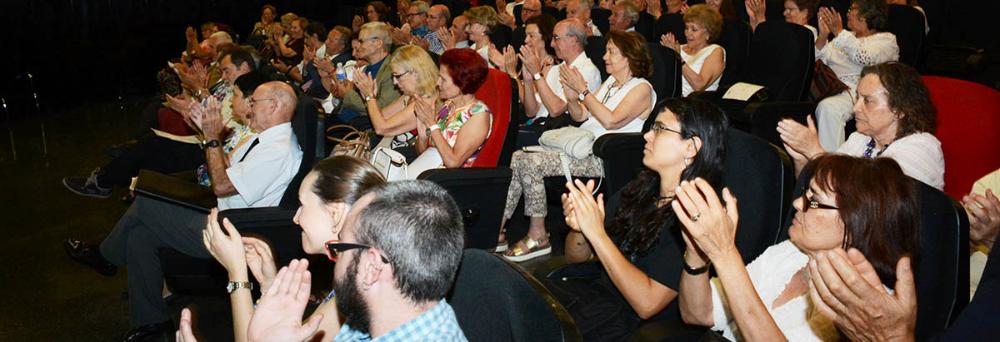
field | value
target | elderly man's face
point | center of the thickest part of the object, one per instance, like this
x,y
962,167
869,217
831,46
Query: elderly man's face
x,y
458,28
530,9
574,10
619,20
334,43
435,19
263,105
415,17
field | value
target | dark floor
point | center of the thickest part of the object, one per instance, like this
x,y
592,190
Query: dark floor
x,y
45,295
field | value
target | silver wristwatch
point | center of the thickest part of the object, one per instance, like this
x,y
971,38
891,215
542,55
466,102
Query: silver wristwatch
x,y
236,285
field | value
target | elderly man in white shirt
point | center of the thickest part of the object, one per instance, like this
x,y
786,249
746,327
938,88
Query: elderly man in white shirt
x,y
254,175
543,93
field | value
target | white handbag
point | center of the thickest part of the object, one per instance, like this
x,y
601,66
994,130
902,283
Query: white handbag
x,y
573,141
387,162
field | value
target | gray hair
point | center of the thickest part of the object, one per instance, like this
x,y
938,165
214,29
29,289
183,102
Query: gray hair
x,y
577,29
419,228
378,30
421,6
631,10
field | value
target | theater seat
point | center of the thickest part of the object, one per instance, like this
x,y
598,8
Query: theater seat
x,y
968,115
496,93
907,24
782,57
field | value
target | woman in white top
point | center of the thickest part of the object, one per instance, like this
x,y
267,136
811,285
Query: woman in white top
x,y
895,119
415,74
703,63
621,105
849,51
795,12
482,20
866,204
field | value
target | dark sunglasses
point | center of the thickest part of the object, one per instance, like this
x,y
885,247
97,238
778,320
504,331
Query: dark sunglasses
x,y
335,247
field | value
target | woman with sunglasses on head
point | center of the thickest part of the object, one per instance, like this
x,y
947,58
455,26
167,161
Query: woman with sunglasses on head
x,y
640,250
325,198
866,204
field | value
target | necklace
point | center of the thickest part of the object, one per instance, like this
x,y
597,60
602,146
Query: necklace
x,y
614,89
871,148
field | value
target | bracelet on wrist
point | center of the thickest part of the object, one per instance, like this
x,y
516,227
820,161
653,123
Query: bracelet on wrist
x,y
695,271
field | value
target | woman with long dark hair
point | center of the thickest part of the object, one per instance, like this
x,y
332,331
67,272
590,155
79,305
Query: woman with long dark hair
x,y
640,251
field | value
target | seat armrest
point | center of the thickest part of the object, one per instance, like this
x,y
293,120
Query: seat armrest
x,y
175,190
255,218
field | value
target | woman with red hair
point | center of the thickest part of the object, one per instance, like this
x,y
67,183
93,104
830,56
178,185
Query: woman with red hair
x,y
451,136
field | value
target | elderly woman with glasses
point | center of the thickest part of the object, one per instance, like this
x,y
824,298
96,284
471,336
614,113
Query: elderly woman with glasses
x,y
415,75
326,195
850,202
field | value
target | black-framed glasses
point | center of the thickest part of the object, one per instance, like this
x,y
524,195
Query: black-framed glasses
x,y
812,203
396,76
659,127
336,247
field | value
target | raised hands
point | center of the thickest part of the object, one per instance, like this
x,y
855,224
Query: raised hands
x,y
846,289
496,56
209,118
510,61
984,217
191,35
446,37
583,212
425,112
365,85
194,77
279,315
571,78
801,142
530,60
756,9
668,40
709,224
261,261
227,250
356,23
830,21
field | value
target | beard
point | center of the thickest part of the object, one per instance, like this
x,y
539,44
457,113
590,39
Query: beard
x,y
349,300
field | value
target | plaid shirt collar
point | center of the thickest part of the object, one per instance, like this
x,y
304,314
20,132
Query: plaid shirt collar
x,y
437,324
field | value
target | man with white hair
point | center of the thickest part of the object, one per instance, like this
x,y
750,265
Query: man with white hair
x,y
624,16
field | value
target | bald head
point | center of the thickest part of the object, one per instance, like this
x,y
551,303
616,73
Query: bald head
x,y
530,9
273,104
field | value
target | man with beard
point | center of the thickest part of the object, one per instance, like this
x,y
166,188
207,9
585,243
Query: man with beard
x,y
396,259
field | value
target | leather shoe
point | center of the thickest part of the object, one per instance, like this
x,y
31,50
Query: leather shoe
x,y
163,331
89,255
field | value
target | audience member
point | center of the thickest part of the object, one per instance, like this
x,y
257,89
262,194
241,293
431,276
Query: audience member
x,y
621,105
580,10
624,16
263,28
326,196
438,17
850,202
544,95
482,21
639,251
374,48
374,11
451,135
702,62
389,288
795,12
415,75
895,119
538,31
255,176
864,44
984,218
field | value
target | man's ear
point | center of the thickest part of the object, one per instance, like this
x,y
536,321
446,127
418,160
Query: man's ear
x,y
371,267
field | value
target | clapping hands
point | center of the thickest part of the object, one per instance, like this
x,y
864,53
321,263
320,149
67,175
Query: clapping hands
x,y
709,224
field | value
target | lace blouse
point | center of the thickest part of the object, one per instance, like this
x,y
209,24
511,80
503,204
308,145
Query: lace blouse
x,y
847,54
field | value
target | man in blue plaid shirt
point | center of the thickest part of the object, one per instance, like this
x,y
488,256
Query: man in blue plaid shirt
x,y
397,257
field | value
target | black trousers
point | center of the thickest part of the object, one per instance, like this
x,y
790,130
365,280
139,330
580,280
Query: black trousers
x,y
153,153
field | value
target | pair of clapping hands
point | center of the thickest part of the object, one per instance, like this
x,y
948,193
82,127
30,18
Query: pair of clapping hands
x,y
285,292
205,117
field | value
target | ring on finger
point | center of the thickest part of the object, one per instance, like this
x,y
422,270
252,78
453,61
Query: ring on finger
x,y
695,217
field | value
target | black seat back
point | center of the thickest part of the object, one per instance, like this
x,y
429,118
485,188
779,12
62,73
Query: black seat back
x,y
481,194
666,79
761,177
735,38
596,46
305,124
670,23
942,276
782,57
907,24
498,301
601,18
621,154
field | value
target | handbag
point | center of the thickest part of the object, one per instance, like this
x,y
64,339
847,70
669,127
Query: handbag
x,y
389,163
573,141
825,82
356,143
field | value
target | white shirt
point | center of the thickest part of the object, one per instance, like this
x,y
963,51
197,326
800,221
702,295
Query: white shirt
x,y
594,31
462,44
581,63
846,54
611,97
919,155
770,273
266,170
695,62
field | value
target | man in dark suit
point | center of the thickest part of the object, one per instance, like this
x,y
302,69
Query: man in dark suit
x,y
338,51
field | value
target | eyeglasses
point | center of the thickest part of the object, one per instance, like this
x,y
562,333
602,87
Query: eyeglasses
x,y
396,76
558,37
659,127
812,203
335,247
410,15
253,101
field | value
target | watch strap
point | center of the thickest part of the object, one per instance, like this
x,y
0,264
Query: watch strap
x,y
236,285
695,271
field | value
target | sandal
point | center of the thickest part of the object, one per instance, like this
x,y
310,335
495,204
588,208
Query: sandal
x,y
501,242
535,248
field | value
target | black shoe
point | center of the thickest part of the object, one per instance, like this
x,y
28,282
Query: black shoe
x,y
89,255
163,331
87,186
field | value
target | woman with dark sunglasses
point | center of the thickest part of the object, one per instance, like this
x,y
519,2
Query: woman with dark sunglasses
x,y
325,197
851,202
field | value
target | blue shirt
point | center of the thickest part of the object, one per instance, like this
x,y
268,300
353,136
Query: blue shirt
x,y
437,324
346,115
421,31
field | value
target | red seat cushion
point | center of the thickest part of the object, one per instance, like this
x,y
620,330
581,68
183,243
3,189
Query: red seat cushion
x,y
496,94
968,120
172,122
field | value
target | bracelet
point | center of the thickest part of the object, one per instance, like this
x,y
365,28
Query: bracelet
x,y
695,271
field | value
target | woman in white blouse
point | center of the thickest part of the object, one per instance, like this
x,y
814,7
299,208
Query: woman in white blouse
x,y
895,120
703,62
482,20
849,51
621,105
866,204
